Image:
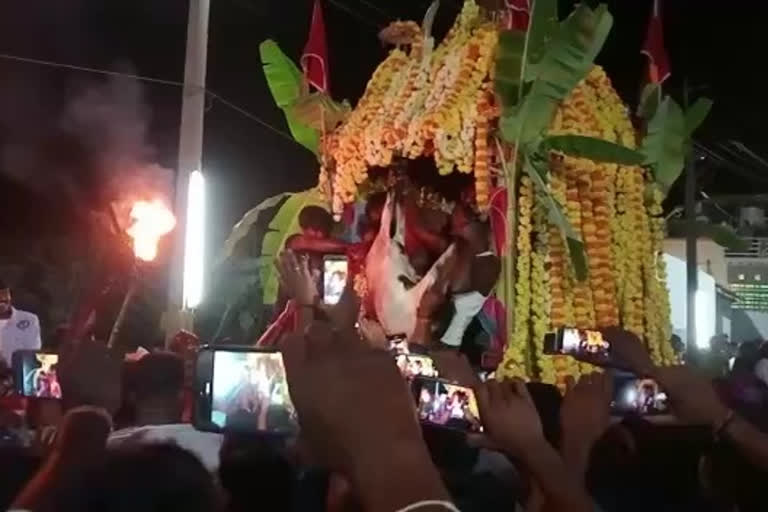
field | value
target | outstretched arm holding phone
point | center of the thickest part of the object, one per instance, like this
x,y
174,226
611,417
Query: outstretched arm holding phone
x,y
375,443
694,400
693,397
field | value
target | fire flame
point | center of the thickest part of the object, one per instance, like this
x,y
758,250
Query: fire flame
x,y
150,221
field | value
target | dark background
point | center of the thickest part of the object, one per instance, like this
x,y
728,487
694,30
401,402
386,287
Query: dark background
x,y
52,174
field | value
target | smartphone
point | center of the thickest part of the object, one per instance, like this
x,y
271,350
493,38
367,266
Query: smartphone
x,y
35,374
243,390
639,396
579,343
335,272
446,405
415,365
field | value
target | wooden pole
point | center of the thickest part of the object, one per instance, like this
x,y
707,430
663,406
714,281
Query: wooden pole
x,y
117,326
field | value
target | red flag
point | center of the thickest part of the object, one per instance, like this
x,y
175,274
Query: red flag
x,y
653,48
518,14
498,218
314,60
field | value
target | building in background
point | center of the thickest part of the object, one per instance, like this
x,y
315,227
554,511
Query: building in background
x,y
746,266
713,297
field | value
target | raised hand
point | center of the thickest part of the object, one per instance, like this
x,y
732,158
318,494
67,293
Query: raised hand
x,y
512,424
692,396
358,417
509,416
373,333
297,279
585,411
454,366
345,313
628,351
584,417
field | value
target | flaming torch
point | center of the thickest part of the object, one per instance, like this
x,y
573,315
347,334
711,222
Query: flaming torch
x,y
150,221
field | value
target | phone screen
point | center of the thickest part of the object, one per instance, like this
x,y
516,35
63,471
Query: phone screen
x,y
36,374
584,342
446,405
249,393
633,395
415,365
335,272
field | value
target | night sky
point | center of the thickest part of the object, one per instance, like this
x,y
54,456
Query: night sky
x,y
717,45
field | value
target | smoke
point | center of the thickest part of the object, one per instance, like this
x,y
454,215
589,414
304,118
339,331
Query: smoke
x,y
91,149
110,120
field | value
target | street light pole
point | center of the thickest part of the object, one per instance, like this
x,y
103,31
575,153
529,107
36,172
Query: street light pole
x,y
190,154
691,265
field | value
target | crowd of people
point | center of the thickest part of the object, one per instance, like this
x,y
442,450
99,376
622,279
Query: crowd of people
x,y
120,437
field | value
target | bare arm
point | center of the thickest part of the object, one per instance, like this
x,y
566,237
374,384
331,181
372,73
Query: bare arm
x,y
559,489
752,443
512,424
80,443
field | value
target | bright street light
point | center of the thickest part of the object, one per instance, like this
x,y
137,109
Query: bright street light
x,y
194,242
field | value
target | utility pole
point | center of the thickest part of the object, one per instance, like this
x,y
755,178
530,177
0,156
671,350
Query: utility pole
x,y
190,155
691,265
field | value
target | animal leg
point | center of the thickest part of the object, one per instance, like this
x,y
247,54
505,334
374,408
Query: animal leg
x,y
437,274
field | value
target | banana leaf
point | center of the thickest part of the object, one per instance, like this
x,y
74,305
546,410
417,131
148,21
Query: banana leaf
x,y
284,224
696,114
592,148
664,145
509,63
520,53
542,29
243,226
649,101
287,85
237,294
567,60
284,78
576,252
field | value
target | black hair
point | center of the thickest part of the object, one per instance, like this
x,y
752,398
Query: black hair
x,y
24,465
747,356
316,217
256,473
764,350
159,374
3,285
144,477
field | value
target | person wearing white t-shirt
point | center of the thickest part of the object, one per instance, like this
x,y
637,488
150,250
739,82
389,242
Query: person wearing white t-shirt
x,y
19,330
155,391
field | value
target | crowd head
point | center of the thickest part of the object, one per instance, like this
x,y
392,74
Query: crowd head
x,y
371,439
315,221
5,298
